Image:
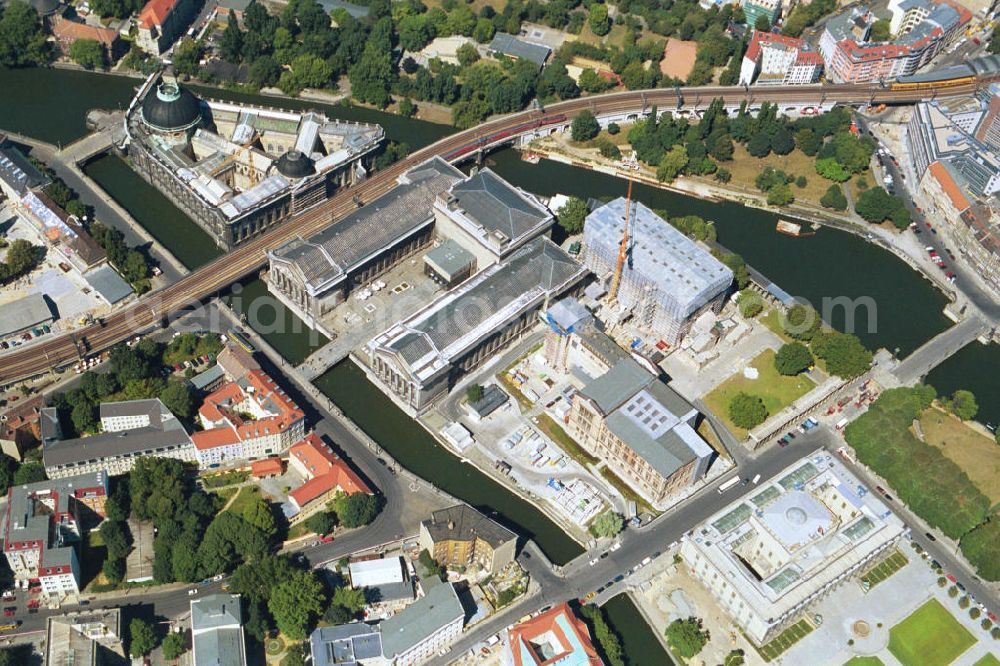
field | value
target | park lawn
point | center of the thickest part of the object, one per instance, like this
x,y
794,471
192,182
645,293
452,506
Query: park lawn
x,y
930,636
977,454
777,391
772,320
988,660
246,496
864,661
745,169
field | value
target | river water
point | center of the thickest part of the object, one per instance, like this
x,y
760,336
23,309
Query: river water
x,y
904,310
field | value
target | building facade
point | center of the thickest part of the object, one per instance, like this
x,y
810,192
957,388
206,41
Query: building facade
x,y
418,359
770,555
460,536
245,420
326,474
773,59
132,430
669,280
161,22
44,522
642,429
238,170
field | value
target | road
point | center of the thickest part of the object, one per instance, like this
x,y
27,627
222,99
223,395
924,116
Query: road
x,y
154,308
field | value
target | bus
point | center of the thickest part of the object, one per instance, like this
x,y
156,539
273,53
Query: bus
x,y
729,484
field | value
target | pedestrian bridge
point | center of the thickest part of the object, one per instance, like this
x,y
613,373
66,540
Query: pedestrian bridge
x,y
934,352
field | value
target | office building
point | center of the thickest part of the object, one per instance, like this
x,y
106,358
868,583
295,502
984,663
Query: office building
x,y
556,637
772,554
385,580
461,536
247,419
670,279
132,429
419,359
354,644
44,521
773,59
642,429
217,631
238,170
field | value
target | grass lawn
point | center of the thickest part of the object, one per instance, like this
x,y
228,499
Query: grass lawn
x,y
772,320
785,640
864,661
246,496
776,390
930,636
627,492
555,432
977,454
885,568
746,168
988,660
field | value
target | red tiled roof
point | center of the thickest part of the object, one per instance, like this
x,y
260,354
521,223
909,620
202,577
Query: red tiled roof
x,y
210,439
70,31
155,12
327,471
266,467
219,406
949,186
525,634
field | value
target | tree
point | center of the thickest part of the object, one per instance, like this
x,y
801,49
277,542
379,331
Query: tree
x,y
994,45
598,20
792,359
607,640
356,509
474,392
981,547
830,169
350,601
808,141
259,514
372,77
142,638
88,53
590,81
687,637
780,195
22,39
963,404
834,198
174,645
8,467
876,205
759,145
29,472
295,603
187,56
801,322
672,164
407,108
177,397
880,31
572,215
484,30
750,302
231,43
844,354
762,24
782,141
321,523
585,126
467,54
607,525
747,411
113,569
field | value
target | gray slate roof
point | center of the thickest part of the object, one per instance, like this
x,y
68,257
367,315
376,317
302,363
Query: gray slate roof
x,y
614,387
345,644
108,284
420,619
498,206
329,255
24,313
463,523
512,46
450,258
216,625
15,169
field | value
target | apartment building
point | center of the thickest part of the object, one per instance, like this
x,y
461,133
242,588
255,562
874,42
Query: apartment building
x,y
325,473
773,59
460,536
247,419
43,523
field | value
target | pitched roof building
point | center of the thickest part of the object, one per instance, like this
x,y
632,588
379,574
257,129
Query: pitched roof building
x,y
85,638
325,473
217,631
773,59
462,536
553,638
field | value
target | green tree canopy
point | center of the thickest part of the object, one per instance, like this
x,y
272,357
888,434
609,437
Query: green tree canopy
x,y
834,198
844,354
880,31
687,637
751,303
981,547
29,472
174,645
572,215
88,53
801,322
321,522
356,509
295,604
747,411
792,359
584,126
963,404
598,19
142,638
607,525
672,164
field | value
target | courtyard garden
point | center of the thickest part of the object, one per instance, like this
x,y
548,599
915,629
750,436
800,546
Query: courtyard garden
x,y
930,636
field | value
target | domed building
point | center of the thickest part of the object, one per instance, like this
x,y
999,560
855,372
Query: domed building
x,y
171,110
238,169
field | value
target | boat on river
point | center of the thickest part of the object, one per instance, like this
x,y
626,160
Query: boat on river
x,y
792,229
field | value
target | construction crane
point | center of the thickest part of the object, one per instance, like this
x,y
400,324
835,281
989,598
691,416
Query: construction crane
x,y
625,247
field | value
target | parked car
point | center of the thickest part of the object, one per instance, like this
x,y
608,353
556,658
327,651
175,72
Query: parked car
x,y
930,536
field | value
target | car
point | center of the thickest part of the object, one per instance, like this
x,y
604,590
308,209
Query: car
x,y
526,555
791,435
880,490
218,577
594,561
992,616
887,496
615,547
928,225
959,585
619,578
744,481
949,274
326,539
604,554
9,611
193,591
590,595
930,536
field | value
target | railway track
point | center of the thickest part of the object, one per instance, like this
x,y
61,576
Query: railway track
x,y
155,307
